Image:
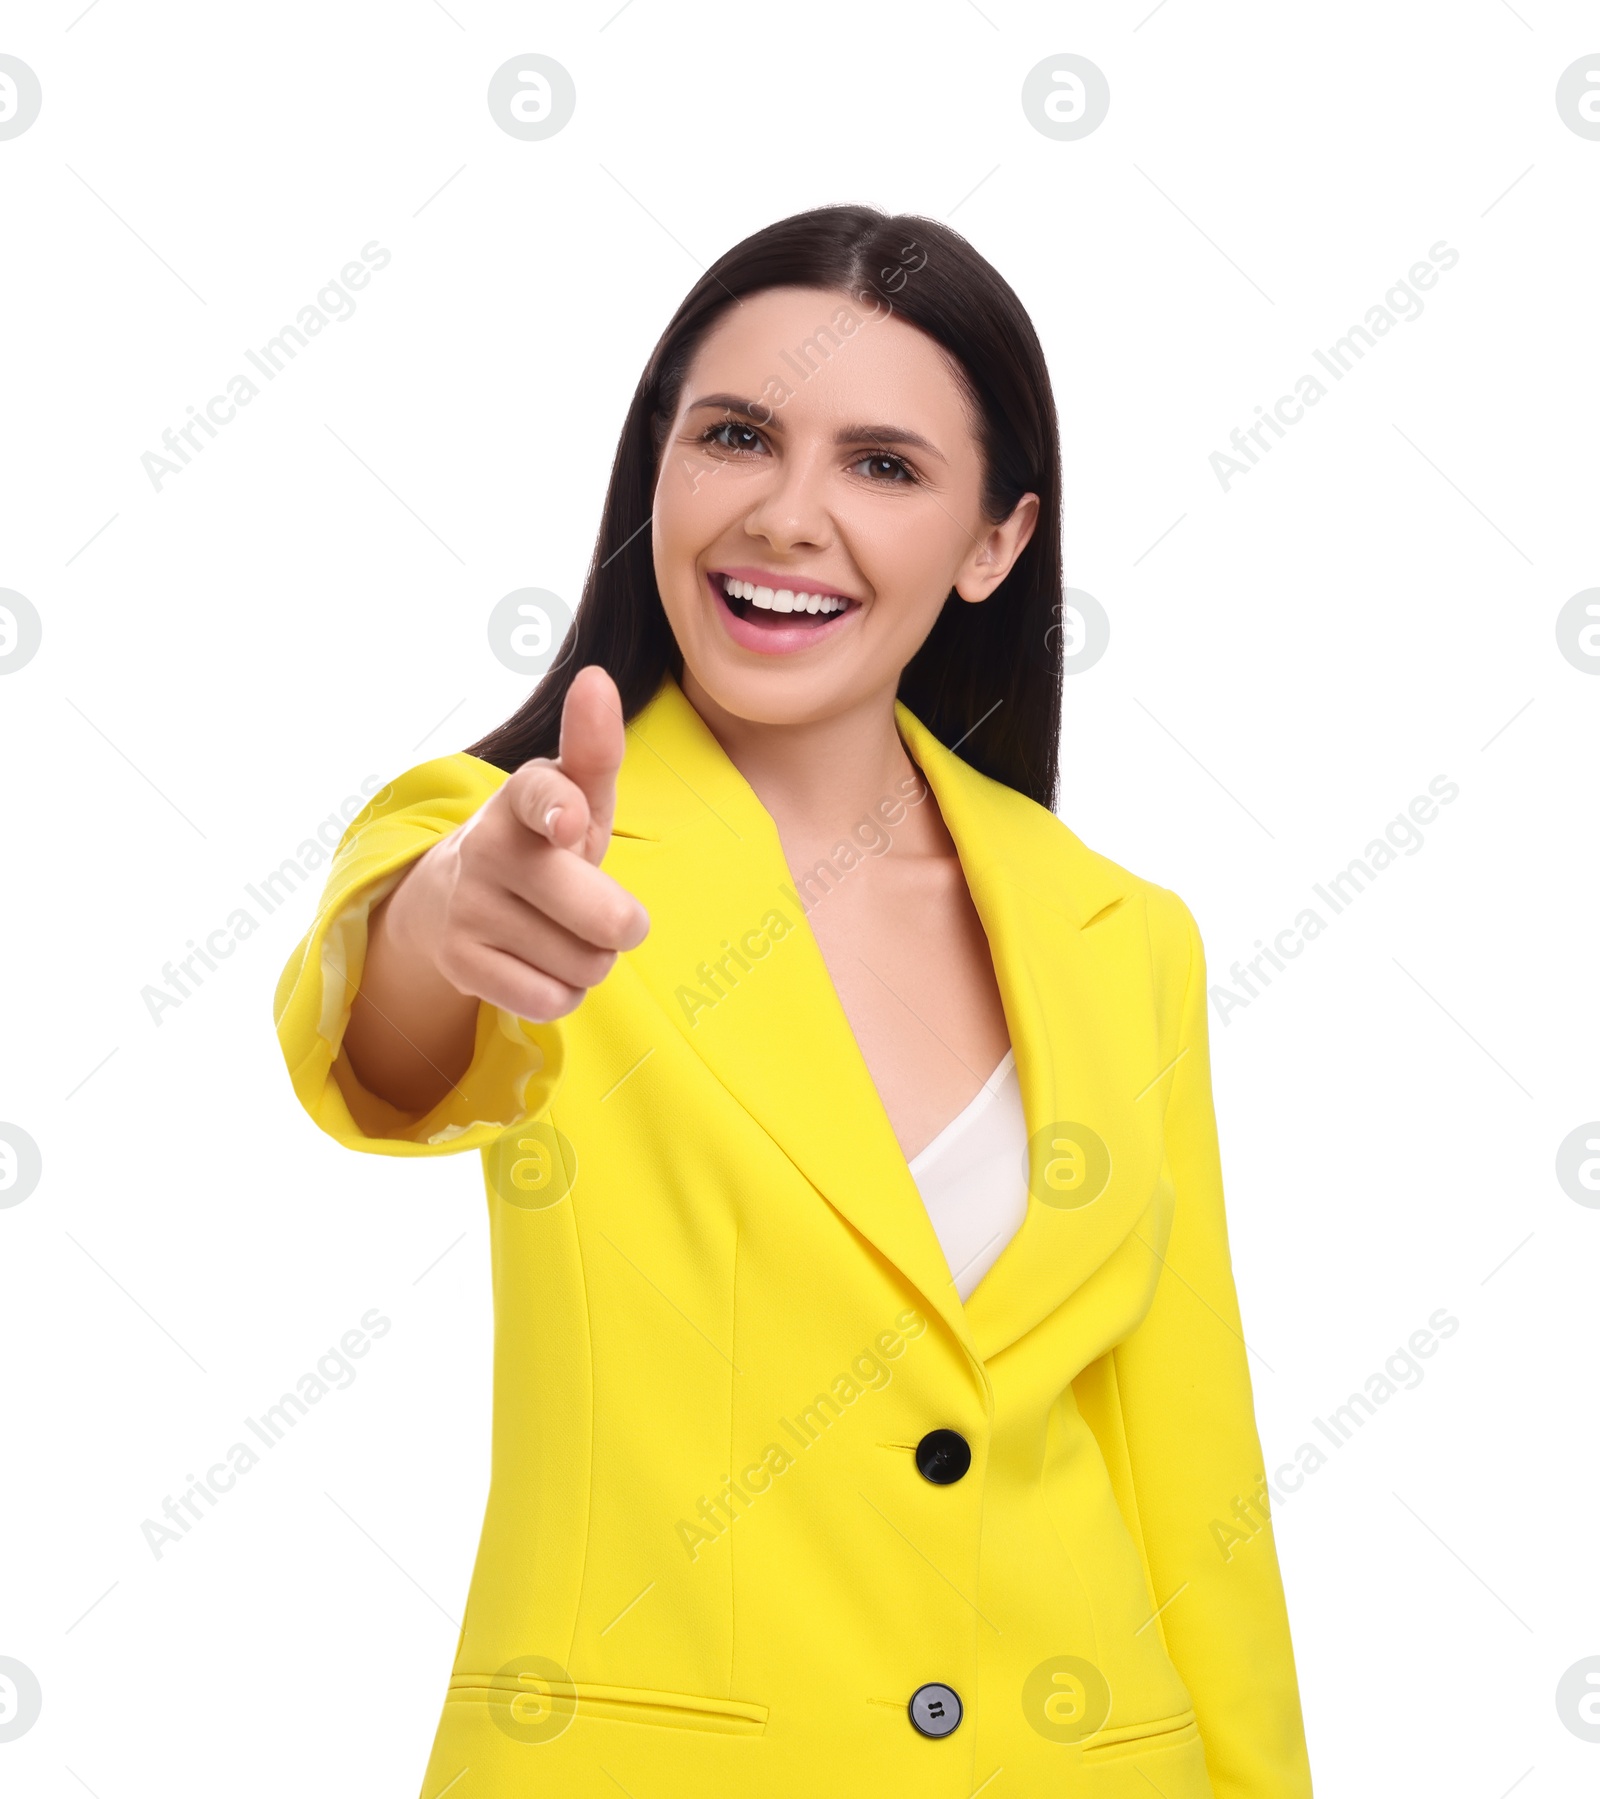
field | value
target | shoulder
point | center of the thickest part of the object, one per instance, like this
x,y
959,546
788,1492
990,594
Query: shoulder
x,y
427,801
1090,888
446,785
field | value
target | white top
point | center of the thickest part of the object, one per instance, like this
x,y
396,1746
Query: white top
x,y
972,1177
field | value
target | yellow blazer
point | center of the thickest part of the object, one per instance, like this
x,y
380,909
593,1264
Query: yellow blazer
x,y
773,1512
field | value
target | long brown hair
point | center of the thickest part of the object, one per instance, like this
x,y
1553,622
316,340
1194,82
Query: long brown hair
x,y
987,679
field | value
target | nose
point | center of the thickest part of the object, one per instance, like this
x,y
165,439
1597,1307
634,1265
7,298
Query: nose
x,y
791,509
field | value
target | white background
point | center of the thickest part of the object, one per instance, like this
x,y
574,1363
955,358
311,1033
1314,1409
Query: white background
x,y
226,660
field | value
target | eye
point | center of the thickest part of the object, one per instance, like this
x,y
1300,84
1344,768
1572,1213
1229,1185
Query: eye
x,y
715,434
887,470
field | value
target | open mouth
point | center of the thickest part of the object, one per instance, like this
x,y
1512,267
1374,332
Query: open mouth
x,y
776,607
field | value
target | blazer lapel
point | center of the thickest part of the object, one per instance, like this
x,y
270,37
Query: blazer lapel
x,y
737,970
1067,933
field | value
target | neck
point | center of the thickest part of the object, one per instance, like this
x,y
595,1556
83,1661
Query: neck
x,y
820,777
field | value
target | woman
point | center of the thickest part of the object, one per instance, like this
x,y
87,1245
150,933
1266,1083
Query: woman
x,y
871,1405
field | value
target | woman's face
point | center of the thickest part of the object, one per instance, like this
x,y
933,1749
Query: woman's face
x,y
824,449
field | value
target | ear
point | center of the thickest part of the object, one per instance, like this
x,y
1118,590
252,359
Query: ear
x,y
993,555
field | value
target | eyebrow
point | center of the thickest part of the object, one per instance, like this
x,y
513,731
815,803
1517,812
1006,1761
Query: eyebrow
x,y
846,434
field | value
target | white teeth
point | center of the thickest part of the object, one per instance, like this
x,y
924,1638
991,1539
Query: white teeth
x,y
783,599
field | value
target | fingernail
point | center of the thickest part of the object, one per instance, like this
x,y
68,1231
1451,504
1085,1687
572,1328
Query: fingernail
x,y
550,820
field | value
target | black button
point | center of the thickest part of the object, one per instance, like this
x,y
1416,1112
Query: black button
x,y
935,1709
943,1456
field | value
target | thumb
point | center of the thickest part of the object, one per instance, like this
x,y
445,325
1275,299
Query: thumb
x,y
593,737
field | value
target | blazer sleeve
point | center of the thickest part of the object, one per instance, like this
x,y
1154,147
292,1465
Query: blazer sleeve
x,y
516,1063
1183,1377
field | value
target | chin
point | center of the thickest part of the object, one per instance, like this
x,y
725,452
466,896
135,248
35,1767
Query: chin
x,y
779,693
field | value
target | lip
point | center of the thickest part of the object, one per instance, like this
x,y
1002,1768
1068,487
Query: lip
x,y
775,640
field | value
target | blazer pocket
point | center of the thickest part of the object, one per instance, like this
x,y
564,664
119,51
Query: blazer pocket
x,y
1141,1739
628,1705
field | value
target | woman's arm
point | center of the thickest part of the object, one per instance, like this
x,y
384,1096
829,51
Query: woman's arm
x,y
514,1066
411,1033
465,913
1183,1379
